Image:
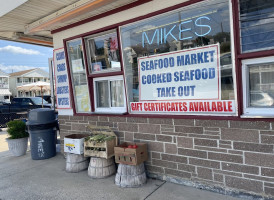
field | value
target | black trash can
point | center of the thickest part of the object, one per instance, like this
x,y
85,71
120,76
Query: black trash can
x,y
42,125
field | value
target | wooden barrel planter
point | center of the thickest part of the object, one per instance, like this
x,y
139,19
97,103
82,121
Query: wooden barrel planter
x,y
101,167
130,175
76,163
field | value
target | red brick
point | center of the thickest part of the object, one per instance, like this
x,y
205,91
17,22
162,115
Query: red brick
x,y
91,118
225,157
149,128
164,138
155,169
204,163
189,129
253,147
141,136
244,184
185,142
103,119
218,177
259,159
267,132
128,127
173,158
117,119
192,153
76,118
204,173
184,122
211,149
137,120
65,127
269,191
167,128
240,135
178,173
268,139
129,136
156,146
211,123
240,168
188,168
217,137
162,163
160,121
205,142
79,127
267,172
250,125
156,155
170,148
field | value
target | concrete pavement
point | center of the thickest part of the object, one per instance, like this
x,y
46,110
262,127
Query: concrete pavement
x,y
23,178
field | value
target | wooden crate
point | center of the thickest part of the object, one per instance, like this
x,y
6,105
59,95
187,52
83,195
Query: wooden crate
x,y
129,156
106,148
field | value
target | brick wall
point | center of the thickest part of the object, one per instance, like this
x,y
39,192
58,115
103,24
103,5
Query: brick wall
x,y
227,154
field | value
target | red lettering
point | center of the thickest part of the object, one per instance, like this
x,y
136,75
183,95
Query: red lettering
x,y
191,108
220,106
230,106
185,106
214,106
201,106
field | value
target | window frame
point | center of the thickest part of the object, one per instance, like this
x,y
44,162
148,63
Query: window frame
x,y
233,59
87,50
70,74
253,112
111,110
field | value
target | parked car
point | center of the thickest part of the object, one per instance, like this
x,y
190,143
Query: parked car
x,y
23,104
46,97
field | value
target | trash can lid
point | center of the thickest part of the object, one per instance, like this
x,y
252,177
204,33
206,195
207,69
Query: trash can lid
x,y
41,116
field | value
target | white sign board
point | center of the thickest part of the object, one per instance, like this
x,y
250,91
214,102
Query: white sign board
x,y
179,107
61,79
192,74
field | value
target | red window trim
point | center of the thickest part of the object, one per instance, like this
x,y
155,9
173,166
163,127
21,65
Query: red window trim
x,y
237,52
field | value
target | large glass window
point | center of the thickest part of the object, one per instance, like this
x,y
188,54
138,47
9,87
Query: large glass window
x,y
103,52
79,77
186,30
258,84
257,24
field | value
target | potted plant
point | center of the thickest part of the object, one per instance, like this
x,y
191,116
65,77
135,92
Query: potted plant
x,y
18,137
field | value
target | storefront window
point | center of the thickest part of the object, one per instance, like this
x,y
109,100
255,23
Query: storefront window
x,y
258,83
182,56
110,95
79,77
257,24
103,52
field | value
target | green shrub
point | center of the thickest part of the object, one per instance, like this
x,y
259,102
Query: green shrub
x,y
17,129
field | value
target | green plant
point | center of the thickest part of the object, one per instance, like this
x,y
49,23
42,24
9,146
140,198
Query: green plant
x,y
16,129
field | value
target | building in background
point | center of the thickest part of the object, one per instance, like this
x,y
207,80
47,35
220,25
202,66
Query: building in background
x,y
4,87
25,77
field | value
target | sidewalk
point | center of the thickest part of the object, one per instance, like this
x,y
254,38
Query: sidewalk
x,y
24,178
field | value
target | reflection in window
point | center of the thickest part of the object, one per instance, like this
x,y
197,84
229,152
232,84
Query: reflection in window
x,y
103,52
257,24
79,78
193,26
261,85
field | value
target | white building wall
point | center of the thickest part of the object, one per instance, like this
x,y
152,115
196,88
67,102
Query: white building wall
x,y
132,13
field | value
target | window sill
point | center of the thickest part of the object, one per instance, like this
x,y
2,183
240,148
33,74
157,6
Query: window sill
x,y
257,116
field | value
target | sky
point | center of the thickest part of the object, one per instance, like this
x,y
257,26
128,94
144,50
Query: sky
x,y
15,56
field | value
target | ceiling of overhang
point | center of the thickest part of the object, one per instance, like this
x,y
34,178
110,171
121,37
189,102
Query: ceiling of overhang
x,y
33,21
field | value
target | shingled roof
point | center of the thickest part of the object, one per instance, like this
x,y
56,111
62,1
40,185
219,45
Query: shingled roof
x,y
22,72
